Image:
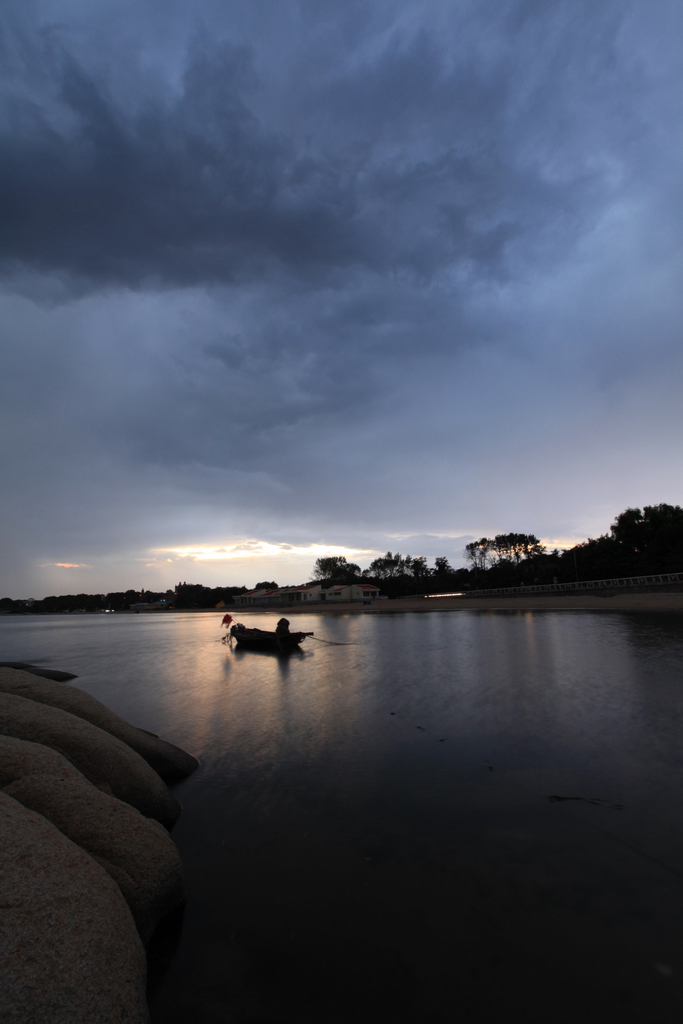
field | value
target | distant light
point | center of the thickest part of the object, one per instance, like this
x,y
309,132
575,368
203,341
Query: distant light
x,y
458,594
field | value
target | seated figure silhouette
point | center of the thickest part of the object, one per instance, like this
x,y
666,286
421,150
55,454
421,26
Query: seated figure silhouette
x,y
281,631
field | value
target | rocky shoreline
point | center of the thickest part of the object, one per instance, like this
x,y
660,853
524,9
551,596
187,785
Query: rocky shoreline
x,y
87,866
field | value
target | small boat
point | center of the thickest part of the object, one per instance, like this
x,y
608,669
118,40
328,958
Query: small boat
x,y
265,640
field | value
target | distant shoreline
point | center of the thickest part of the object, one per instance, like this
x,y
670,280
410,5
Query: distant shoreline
x,y
594,601
645,602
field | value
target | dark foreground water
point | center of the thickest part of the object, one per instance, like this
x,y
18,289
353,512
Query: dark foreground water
x,y
371,835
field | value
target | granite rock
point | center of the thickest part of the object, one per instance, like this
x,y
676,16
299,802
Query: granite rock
x,y
136,852
166,759
36,670
107,762
69,949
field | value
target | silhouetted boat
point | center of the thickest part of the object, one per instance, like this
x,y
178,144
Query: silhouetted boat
x,y
264,640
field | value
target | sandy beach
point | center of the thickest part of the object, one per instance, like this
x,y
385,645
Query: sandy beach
x,y
595,601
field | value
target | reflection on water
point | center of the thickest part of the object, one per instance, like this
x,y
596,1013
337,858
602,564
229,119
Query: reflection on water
x,y
369,836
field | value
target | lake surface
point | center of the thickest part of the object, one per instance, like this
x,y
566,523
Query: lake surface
x,y
370,836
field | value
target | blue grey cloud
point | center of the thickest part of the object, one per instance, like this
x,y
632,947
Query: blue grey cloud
x,y
415,155
336,271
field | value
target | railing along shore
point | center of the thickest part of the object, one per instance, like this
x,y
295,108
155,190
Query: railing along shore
x,y
658,579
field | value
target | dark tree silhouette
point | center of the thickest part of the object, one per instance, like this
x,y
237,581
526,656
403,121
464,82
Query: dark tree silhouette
x,y
335,567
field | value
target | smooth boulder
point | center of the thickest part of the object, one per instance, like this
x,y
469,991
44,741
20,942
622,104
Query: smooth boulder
x,y
107,762
69,949
166,759
136,852
36,670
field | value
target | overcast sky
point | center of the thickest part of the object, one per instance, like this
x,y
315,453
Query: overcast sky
x,y
285,277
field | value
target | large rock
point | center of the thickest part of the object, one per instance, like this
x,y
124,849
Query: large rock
x,y
169,761
136,852
69,950
47,673
107,762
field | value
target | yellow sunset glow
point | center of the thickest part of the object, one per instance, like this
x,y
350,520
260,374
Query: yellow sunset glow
x,y
260,549
561,542
64,565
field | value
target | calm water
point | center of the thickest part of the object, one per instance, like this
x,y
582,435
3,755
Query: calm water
x,y
370,836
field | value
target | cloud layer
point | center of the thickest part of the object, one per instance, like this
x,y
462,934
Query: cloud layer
x,y
334,274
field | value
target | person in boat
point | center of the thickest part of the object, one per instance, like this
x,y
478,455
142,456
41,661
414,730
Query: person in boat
x,y
282,631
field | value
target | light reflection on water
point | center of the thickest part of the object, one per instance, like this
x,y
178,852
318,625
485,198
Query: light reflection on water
x,y
349,853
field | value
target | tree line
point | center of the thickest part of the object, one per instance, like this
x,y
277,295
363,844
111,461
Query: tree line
x,y
640,542
185,595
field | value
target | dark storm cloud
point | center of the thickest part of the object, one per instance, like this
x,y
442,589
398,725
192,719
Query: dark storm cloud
x,y
336,272
410,158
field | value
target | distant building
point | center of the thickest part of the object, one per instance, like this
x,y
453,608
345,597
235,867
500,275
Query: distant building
x,y
309,593
280,595
351,592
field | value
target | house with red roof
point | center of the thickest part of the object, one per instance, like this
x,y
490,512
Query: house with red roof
x,y
281,595
308,593
351,592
